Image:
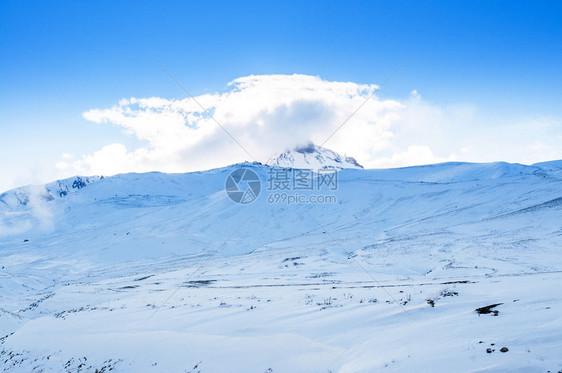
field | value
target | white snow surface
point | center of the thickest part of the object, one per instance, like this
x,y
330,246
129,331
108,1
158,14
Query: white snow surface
x,y
164,273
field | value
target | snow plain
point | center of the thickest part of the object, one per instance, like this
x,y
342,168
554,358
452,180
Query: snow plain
x,y
163,273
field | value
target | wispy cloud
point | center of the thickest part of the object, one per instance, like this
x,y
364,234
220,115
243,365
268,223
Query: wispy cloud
x,y
37,214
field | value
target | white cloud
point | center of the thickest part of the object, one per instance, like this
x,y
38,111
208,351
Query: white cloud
x,y
62,165
414,155
266,114
269,113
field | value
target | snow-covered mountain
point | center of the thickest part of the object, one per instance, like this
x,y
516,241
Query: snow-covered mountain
x,y
431,268
23,196
312,157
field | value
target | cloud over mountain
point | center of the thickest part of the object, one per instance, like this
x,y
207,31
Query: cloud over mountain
x,y
268,114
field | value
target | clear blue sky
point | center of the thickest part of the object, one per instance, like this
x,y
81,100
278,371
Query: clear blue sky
x,y
60,59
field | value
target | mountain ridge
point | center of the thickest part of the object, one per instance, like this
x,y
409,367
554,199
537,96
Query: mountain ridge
x,y
82,272
427,173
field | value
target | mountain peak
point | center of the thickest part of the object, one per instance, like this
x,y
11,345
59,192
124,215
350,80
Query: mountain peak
x,y
311,156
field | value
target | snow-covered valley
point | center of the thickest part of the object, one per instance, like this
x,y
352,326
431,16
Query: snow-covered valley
x,y
163,272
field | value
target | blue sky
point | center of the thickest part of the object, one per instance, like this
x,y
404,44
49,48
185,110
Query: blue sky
x,y
62,59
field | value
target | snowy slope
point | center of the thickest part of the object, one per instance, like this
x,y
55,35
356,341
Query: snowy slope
x,y
312,157
16,198
163,272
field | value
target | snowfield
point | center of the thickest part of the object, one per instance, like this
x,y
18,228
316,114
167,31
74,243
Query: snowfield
x,y
164,273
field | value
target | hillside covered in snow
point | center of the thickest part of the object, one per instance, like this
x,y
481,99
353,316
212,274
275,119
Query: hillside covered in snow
x,y
447,267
